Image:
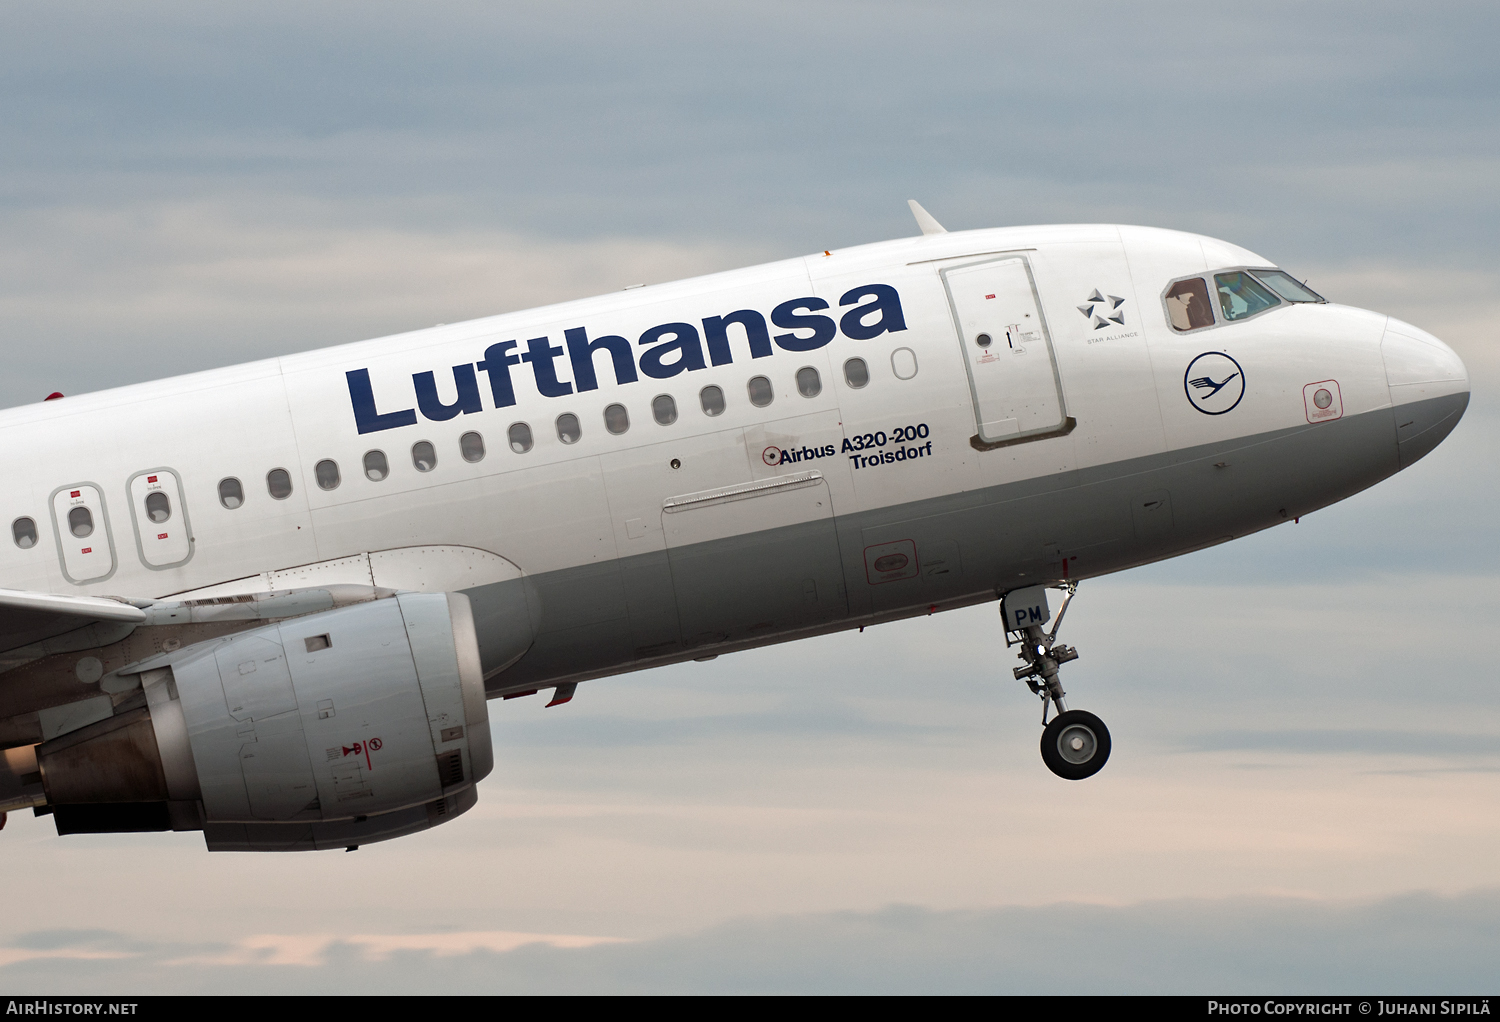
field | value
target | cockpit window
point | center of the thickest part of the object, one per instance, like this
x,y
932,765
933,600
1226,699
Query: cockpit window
x,y
1287,287
1187,305
1242,296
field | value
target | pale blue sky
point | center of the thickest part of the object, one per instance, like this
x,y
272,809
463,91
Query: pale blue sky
x,y
1307,730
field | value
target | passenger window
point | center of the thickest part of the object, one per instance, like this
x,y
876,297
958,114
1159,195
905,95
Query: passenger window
x,y
616,419
712,400
231,493
279,483
471,446
1241,295
376,467
760,391
664,409
80,522
519,436
1287,286
568,429
809,383
158,507
327,474
23,531
424,456
904,363
856,373
1187,305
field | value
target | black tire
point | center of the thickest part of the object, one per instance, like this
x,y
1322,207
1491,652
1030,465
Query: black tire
x,y
1075,727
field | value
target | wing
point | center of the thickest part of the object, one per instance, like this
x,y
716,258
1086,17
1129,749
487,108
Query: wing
x,y
26,618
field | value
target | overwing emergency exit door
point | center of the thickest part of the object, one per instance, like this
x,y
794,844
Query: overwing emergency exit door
x,y
163,536
1008,353
84,543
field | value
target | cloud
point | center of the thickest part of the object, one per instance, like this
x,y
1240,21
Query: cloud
x,y
313,950
133,294
1322,741
1289,127
1414,943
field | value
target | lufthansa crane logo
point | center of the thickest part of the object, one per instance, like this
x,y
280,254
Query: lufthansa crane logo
x,y
1102,310
1214,383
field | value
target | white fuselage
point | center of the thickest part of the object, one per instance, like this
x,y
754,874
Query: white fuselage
x,y
603,528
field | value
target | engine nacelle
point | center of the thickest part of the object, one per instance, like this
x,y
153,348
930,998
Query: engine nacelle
x,y
335,729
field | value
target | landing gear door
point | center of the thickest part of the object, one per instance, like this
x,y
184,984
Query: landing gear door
x,y
1012,369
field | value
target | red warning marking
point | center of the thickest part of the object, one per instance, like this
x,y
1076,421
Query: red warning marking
x,y
88,549
161,535
373,745
151,479
76,493
989,296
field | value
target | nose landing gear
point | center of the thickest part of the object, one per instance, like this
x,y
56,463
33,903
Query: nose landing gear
x,y
1076,743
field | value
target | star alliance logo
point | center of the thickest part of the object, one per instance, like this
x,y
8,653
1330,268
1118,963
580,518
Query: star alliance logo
x,y
1103,310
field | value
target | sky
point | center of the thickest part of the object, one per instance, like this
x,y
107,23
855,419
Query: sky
x,y
1304,792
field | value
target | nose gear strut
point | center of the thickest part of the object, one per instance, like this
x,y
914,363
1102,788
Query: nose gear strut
x,y
1076,743
1043,655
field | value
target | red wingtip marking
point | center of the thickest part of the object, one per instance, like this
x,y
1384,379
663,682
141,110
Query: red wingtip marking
x,y
52,396
559,702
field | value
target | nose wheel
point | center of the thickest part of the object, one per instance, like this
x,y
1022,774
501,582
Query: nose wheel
x,y
1075,744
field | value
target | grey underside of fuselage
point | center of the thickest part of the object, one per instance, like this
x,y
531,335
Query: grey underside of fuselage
x,y
752,590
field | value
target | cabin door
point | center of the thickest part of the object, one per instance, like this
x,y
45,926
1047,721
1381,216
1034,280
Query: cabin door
x,y
1012,369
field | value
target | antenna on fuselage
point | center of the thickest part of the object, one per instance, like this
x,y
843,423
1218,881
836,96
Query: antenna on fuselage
x,y
925,219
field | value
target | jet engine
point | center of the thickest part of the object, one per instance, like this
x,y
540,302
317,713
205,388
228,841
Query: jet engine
x,y
354,725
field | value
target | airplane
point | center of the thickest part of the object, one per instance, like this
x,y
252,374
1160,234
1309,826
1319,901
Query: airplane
x,y
270,602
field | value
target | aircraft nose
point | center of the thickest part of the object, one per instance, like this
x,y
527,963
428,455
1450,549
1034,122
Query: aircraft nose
x,y
1429,388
